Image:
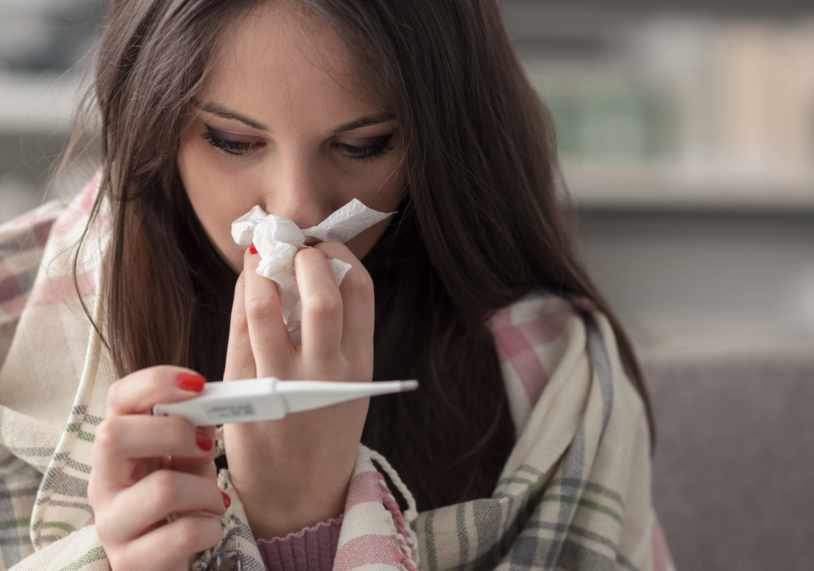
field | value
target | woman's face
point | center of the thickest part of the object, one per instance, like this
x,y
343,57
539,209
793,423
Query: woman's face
x,y
285,123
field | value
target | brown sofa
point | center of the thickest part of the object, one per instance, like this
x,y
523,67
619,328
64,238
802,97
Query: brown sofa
x,y
734,461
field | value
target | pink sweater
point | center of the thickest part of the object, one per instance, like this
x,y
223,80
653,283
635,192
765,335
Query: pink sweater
x,y
311,549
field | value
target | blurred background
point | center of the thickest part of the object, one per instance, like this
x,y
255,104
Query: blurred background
x,y
41,42
686,129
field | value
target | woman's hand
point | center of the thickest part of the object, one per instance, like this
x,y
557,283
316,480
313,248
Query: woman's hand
x,y
146,468
294,472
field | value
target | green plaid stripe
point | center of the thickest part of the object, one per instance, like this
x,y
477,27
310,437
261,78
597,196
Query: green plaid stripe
x,y
95,554
564,504
567,515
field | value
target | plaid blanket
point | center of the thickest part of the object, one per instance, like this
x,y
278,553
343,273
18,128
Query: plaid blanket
x,y
574,494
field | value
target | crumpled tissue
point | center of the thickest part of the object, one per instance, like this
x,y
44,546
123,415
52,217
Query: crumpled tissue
x,y
277,239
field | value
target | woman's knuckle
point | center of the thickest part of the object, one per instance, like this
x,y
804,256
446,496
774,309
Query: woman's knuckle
x,y
359,282
176,432
164,488
159,375
212,531
258,308
117,560
188,534
325,304
95,496
363,353
126,558
93,499
113,396
310,255
101,521
108,434
240,321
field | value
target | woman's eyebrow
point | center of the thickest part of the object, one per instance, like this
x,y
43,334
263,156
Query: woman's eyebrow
x,y
226,113
363,122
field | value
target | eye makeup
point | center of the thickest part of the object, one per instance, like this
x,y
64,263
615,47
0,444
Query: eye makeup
x,y
231,144
364,148
352,147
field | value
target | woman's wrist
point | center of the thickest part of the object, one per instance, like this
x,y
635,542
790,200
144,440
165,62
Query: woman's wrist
x,y
294,473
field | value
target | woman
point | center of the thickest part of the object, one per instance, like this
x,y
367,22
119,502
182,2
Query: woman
x,y
420,108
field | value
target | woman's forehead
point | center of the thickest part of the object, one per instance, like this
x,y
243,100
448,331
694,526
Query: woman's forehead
x,y
278,62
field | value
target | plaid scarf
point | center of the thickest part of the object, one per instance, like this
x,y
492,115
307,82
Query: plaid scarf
x,y
574,493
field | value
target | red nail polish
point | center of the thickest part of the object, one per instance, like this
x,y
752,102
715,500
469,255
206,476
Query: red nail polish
x,y
252,249
227,501
203,441
190,382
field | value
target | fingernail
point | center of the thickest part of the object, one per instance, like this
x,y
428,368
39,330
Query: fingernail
x,y
190,382
203,441
227,501
252,249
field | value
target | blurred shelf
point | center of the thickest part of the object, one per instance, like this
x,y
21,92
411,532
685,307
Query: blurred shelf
x,y
737,8
41,103
41,8
663,188
704,278
676,105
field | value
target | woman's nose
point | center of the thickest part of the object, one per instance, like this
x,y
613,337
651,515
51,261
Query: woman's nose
x,y
295,189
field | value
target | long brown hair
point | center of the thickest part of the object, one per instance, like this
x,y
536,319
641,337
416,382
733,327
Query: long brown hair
x,y
481,224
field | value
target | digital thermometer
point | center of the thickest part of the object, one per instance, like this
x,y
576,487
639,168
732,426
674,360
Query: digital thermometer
x,y
271,399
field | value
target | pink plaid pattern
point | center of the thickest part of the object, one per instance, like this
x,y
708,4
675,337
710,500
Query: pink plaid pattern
x,y
61,289
78,209
516,343
22,241
365,487
370,550
28,234
12,297
662,560
533,338
367,493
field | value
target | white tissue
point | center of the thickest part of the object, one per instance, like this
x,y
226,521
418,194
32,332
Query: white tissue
x,y
278,239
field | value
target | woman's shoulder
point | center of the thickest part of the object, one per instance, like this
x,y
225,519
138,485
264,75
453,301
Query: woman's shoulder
x,y
22,242
539,313
536,326
534,337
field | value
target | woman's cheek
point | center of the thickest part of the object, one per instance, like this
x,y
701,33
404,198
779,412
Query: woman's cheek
x,y
209,196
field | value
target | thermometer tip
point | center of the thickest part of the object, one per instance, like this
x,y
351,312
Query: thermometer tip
x,y
408,386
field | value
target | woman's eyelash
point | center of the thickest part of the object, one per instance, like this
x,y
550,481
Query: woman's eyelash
x,y
234,148
379,147
367,152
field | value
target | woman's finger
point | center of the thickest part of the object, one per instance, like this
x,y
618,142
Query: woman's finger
x,y
139,392
155,497
239,358
172,546
322,309
357,301
120,440
198,465
268,335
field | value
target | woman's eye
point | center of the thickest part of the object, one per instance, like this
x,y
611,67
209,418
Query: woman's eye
x,y
377,147
222,144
